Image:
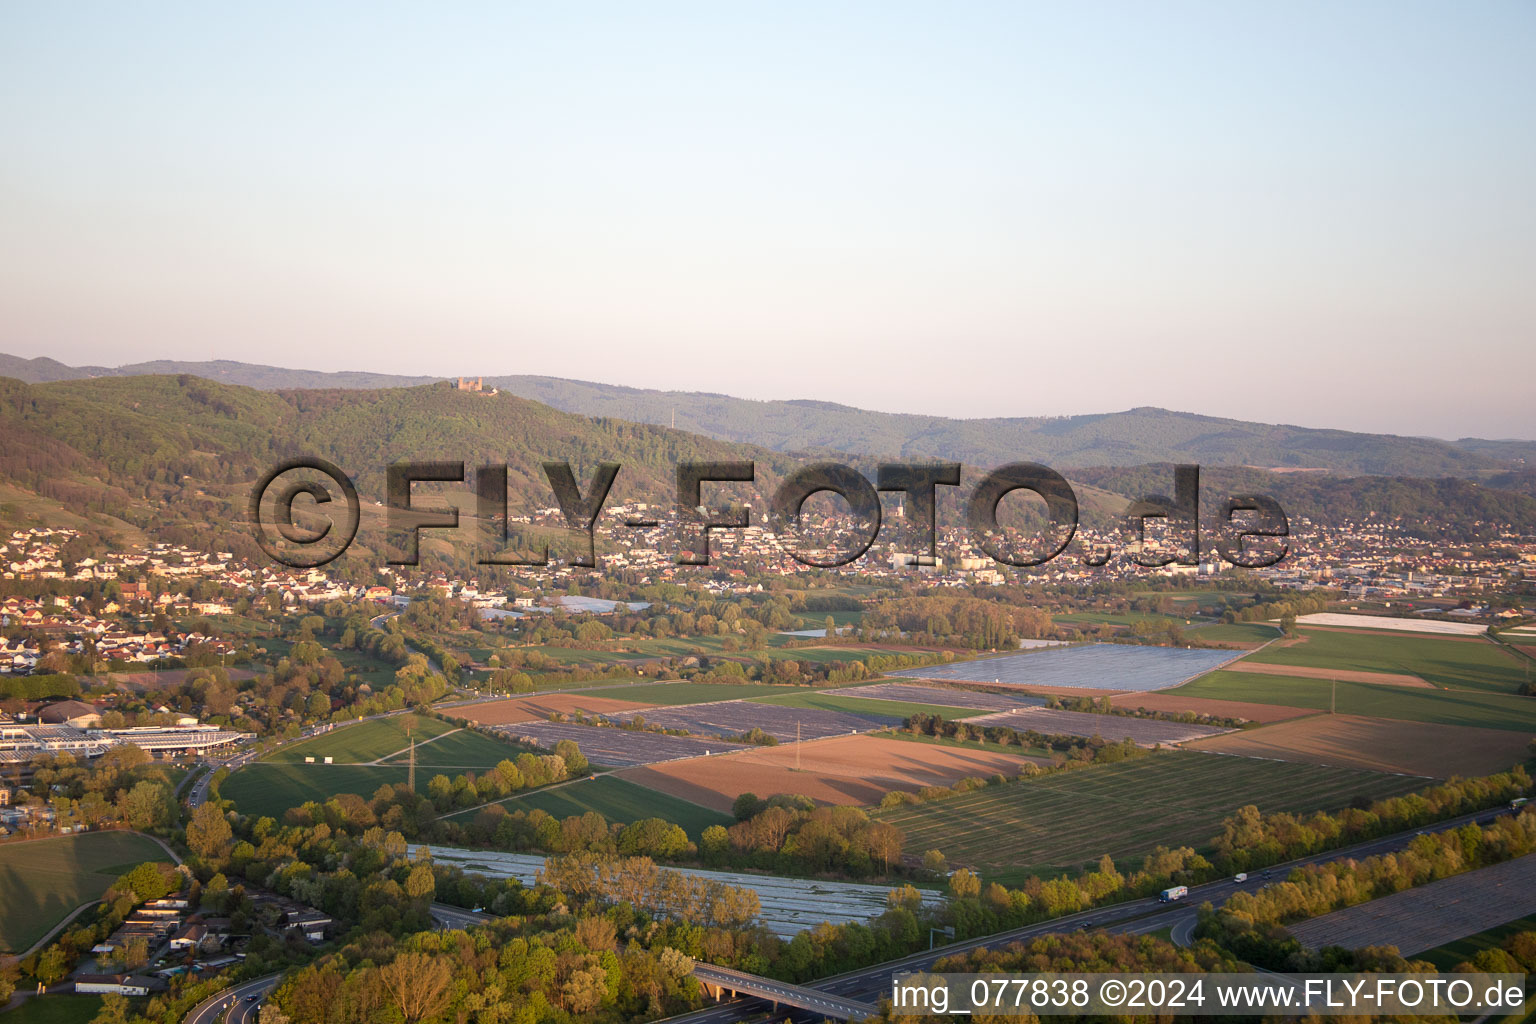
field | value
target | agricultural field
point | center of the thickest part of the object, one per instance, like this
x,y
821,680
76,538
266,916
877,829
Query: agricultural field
x,y
946,697
1177,703
1094,666
699,693
41,881
270,788
1241,634
1415,748
56,1008
460,749
845,770
619,748
529,709
616,800
1448,955
1144,732
1061,821
1392,623
1430,915
363,742
818,620
731,718
891,709
1457,662
1447,707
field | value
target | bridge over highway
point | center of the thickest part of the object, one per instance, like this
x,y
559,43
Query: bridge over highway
x,y
717,980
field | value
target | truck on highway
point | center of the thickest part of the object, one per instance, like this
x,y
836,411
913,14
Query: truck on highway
x,y
1177,892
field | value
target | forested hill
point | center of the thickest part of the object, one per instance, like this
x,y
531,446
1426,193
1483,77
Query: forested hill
x,y
159,451
1129,438
180,452
1443,506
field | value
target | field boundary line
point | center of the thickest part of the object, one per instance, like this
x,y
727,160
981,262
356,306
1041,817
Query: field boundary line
x,y
406,749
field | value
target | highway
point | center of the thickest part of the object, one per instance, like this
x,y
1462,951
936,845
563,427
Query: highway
x,y
1141,916
458,917
783,993
233,1002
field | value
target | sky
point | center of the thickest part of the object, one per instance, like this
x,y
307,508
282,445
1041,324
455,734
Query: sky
x,y
1312,213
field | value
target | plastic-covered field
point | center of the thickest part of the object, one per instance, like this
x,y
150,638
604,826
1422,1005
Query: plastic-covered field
x,y
943,696
621,748
1144,732
789,905
731,718
1431,915
1090,666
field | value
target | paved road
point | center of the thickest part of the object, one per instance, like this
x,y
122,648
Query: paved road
x,y
813,1000
233,1003
869,984
458,917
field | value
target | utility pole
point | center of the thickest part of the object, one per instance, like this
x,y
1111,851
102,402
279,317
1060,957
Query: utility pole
x,y
410,774
1333,698
797,744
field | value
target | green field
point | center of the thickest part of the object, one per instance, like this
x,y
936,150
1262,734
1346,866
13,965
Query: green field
x,y
1446,957
1126,619
616,800
362,742
1235,632
460,750
1409,704
43,880
266,788
1062,821
867,705
56,1008
1462,664
818,620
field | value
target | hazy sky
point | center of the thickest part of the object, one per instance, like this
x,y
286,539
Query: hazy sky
x,y
1317,213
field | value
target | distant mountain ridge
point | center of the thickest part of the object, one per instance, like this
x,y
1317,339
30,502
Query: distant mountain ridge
x,y
1133,437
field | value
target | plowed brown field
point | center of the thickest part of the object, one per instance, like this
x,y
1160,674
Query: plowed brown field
x,y
848,770
1413,748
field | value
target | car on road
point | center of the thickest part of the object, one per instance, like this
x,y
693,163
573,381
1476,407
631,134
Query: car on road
x,y
1240,877
252,999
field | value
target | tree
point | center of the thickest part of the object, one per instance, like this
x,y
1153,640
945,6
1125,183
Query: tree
x,y
420,883
114,1010
575,760
964,885
885,842
417,983
208,834
831,626
934,861
52,966
745,806
147,805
